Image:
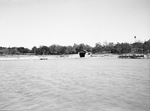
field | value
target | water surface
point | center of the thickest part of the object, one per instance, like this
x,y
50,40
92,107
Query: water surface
x,y
88,84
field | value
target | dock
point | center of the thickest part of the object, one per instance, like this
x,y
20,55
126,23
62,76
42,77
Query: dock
x,y
132,56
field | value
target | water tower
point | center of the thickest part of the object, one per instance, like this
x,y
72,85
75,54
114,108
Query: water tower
x,y
134,39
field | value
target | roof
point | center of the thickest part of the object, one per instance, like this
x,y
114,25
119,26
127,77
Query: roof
x,y
82,51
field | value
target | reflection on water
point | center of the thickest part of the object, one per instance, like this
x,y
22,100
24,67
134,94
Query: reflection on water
x,y
88,84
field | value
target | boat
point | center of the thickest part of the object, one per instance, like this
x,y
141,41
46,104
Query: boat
x,y
43,58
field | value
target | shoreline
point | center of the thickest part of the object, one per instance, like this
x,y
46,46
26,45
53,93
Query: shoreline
x,y
50,57
37,57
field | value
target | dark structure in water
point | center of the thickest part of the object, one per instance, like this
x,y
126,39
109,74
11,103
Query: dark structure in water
x,y
82,53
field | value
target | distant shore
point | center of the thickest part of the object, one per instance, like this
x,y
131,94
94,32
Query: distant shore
x,y
37,57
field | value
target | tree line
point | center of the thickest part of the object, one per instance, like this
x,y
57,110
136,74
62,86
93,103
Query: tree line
x,y
118,48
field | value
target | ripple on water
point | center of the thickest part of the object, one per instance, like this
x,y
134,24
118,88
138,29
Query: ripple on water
x,y
90,84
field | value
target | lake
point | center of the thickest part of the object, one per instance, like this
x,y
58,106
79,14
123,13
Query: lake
x,y
86,84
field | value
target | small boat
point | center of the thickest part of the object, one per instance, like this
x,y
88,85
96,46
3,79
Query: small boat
x,y
43,57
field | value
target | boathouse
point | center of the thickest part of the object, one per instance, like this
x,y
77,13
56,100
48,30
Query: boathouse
x,y
82,53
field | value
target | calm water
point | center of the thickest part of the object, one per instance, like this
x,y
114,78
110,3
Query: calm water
x,y
88,84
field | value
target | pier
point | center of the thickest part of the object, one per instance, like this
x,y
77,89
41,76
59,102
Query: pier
x,y
132,56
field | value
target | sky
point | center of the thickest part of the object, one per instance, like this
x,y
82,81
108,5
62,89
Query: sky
x,y
31,23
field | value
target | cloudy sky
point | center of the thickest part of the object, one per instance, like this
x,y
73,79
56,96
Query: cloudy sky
x,y
65,22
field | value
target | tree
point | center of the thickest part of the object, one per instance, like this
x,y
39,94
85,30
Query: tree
x,y
76,48
44,50
71,50
97,48
4,51
117,48
34,50
108,47
23,50
146,46
13,51
137,45
125,48
88,48
54,49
